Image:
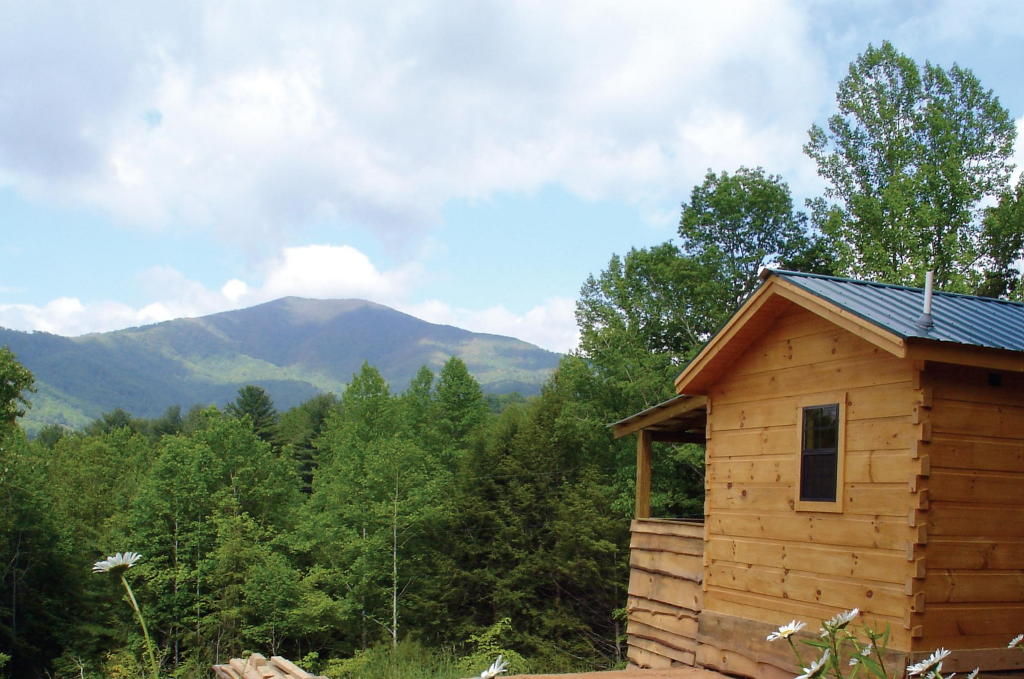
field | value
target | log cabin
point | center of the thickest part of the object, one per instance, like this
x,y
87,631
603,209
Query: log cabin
x,y
861,450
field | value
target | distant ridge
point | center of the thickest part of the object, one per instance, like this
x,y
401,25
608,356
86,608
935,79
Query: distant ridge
x,y
294,347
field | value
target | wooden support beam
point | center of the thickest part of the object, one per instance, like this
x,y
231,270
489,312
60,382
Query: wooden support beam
x,y
643,474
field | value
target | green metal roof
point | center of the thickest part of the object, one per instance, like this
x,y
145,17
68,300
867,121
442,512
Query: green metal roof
x,y
962,319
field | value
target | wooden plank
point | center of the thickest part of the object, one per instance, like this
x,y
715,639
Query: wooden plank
x,y
888,434
780,611
672,654
963,383
667,543
810,587
951,620
658,414
963,586
965,452
891,499
637,629
971,486
975,553
981,357
821,529
665,588
727,661
869,371
957,417
291,668
748,637
645,659
679,528
975,520
864,563
753,441
679,621
682,566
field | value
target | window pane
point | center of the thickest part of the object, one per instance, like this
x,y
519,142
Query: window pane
x,y
819,456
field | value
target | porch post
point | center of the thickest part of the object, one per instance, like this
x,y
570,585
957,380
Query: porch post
x,y
643,474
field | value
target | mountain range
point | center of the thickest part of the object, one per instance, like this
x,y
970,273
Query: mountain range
x,y
293,347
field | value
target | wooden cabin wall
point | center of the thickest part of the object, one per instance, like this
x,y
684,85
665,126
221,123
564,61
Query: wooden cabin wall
x,y
973,589
766,562
665,559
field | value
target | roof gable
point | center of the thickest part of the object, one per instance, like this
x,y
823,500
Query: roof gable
x,y
967,330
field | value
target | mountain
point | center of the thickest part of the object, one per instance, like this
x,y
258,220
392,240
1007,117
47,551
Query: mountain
x,y
292,347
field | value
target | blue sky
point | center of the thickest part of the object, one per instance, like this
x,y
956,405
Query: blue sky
x,y
469,162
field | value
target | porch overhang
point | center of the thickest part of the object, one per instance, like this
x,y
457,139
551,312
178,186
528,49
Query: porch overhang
x,y
682,419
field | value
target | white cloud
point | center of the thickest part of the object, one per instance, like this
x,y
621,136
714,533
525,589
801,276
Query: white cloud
x,y
551,324
255,122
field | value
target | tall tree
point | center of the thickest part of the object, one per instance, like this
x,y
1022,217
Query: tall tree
x,y
15,380
461,407
256,403
909,159
736,223
1003,239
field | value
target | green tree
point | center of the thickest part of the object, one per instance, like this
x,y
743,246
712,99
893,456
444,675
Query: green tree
x,y
909,159
1003,239
461,407
15,380
255,402
737,223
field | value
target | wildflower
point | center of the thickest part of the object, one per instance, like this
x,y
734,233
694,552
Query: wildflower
x,y
816,668
786,631
1015,641
841,620
854,661
117,563
932,663
973,673
497,667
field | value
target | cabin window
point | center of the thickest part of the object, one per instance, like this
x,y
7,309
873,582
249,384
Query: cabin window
x,y
820,434
819,453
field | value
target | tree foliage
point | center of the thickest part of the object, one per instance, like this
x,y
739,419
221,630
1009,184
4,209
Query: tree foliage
x,y
909,159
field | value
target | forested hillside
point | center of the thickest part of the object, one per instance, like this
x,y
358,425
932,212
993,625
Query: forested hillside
x,y
294,348
378,523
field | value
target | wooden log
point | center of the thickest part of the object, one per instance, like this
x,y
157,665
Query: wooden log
x,y
972,485
809,587
994,658
645,659
673,655
995,421
947,519
974,586
954,620
880,532
976,453
643,474
291,668
666,589
677,621
975,553
687,644
671,544
863,563
682,566
727,662
681,528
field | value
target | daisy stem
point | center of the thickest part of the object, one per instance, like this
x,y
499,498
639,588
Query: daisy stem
x,y
142,623
878,654
796,651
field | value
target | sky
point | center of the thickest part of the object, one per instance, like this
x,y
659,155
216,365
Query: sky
x,y
467,162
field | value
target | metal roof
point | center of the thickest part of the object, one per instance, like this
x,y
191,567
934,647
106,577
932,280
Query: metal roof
x,y
963,319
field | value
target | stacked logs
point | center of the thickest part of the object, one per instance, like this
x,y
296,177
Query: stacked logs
x,y
258,667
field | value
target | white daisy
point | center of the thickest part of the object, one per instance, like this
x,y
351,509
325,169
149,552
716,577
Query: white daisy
x,y
817,667
973,673
1015,641
116,563
786,631
934,661
497,667
841,620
